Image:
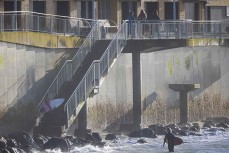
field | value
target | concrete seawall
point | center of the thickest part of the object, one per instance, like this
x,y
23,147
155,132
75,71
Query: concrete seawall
x,y
25,74
207,66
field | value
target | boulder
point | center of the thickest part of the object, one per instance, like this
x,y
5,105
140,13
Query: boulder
x,y
57,142
135,134
223,125
208,124
25,139
12,143
141,141
96,137
110,136
158,129
148,133
3,143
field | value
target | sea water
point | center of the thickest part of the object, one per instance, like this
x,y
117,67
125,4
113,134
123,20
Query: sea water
x,y
209,142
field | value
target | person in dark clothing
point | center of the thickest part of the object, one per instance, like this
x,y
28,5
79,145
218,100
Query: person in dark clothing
x,y
169,137
142,15
143,26
131,24
155,27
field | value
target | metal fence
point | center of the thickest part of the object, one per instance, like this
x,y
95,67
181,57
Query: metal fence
x,y
136,30
70,66
38,22
97,70
177,29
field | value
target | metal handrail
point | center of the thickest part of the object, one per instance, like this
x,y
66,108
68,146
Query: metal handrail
x,y
47,23
96,71
70,66
99,68
172,29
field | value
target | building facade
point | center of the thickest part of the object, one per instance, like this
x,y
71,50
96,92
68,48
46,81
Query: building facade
x,y
118,10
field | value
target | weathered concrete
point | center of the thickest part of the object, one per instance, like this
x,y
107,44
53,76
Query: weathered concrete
x,y
25,74
184,98
137,104
206,65
41,39
150,45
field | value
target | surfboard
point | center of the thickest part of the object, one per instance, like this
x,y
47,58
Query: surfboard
x,y
177,141
53,104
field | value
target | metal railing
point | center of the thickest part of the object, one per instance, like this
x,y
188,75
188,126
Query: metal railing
x,y
136,30
97,70
46,23
70,66
183,29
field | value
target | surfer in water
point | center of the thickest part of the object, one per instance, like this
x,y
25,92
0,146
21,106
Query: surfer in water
x,y
169,137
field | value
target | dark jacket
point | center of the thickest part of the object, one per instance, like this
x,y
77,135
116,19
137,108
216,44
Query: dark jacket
x,y
170,137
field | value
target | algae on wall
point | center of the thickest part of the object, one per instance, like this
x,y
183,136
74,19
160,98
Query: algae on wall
x,y
207,66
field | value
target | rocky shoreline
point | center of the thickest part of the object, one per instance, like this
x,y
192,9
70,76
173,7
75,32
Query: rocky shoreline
x,y
22,142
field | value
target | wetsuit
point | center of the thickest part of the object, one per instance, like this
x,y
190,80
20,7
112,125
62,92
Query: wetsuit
x,y
170,137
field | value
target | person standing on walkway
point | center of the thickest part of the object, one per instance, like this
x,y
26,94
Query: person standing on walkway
x,y
143,24
131,24
155,20
169,137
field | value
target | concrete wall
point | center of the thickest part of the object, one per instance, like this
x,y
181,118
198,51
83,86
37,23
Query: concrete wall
x,y
25,74
41,39
207,66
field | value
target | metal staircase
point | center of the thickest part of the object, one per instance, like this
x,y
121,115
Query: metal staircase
x,y
70,66
85,82
93,78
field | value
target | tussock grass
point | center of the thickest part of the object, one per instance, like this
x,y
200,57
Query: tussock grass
x,y
105,114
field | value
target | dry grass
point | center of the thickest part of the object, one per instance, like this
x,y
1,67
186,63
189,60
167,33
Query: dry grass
x,y
102,115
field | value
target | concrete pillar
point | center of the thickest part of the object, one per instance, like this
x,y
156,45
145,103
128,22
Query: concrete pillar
x,y
161,10
25,5
115,14
184,107
119,12
184,89
137,105
73,9
2,6
82,130
78,8
50,7
202,10
82,118
181,10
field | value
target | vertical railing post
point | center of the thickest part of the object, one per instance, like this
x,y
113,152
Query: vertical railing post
x,y
57,84
99,74
65,26
215,29
117,47
50,22
85,89
24,23
38,23
67,111
1,19
167,31
108,55
94,76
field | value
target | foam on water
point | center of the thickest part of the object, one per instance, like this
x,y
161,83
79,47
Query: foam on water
x,y
216,141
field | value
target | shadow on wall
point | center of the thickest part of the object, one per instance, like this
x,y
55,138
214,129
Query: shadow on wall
x,y
22,114
149,100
